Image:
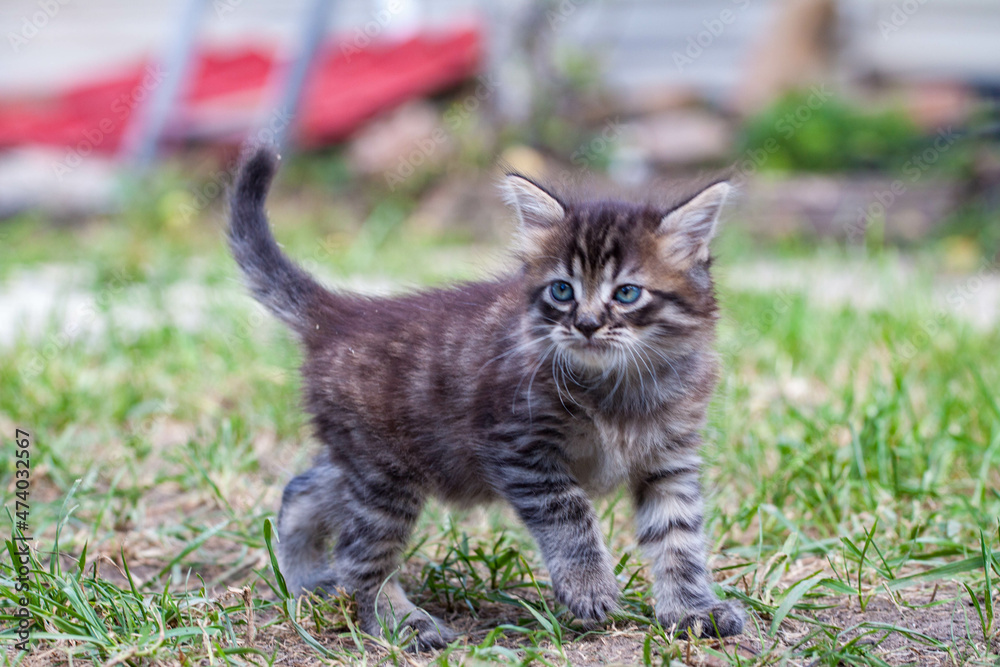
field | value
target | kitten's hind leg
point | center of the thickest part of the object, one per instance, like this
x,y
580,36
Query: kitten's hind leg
x,y
377,523
306,524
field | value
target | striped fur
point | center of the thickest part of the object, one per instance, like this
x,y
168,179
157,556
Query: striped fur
x,y
498,391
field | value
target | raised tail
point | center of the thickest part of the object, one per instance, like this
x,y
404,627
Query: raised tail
x,y
276,282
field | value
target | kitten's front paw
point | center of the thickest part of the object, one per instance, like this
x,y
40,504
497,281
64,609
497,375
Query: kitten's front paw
x,y
589,595
723,619
432,633
420,630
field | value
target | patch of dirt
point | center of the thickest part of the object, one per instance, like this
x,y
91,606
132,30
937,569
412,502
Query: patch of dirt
x,y
946,615
903,629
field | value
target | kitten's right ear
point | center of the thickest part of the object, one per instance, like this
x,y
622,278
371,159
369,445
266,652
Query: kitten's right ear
x,y
536,209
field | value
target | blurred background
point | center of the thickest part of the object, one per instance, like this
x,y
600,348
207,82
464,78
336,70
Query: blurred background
x,y
820,106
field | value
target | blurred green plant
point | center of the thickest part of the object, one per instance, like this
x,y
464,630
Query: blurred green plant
x,y
805,131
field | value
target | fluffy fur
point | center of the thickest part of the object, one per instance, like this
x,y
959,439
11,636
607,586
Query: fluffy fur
x,y
499,390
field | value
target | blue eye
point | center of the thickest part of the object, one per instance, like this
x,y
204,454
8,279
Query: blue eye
x,y
562,291
628,294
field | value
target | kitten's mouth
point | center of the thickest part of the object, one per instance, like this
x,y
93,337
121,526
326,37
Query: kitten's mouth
x,y
590,353
590,344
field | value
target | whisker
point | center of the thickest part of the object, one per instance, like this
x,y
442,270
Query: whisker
x,y
652,370
531,382
662,356
520,347
555,379
541,360
619,358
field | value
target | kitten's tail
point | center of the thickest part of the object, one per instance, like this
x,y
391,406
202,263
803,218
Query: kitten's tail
x,y
276,282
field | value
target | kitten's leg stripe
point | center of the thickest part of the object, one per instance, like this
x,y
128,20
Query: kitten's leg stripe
x,y
562,519
659,532
669,472
540,486
391,498
691,496
386,507
378,516
562,512
669,521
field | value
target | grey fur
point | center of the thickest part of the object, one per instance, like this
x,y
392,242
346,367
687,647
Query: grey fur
x,y
499,391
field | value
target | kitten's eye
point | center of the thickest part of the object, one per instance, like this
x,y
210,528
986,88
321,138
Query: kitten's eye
x,y
562,291
628,294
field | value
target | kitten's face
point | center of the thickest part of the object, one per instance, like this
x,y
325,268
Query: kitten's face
x,y
613,285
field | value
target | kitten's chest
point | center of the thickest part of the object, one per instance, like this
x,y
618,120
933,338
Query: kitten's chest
x,y
605,453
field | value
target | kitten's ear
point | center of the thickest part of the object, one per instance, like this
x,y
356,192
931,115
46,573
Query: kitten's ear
x,y
535,208
688,229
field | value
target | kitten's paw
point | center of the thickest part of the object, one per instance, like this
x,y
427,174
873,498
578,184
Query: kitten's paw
x,y
322,584
431,632
723,619
326,586
419,630
590,596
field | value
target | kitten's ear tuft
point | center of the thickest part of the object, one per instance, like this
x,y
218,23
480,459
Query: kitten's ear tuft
x,y
688,229
535,208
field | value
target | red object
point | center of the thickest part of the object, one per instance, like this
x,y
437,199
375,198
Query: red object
x,y
346,86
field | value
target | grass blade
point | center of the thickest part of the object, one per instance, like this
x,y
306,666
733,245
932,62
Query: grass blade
x,y
791,598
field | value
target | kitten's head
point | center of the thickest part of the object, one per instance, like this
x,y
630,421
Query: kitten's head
x,y
615,284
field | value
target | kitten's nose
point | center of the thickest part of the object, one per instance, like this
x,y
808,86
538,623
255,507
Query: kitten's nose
x,y
587,325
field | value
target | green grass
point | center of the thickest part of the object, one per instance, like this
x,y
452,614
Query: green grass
x,y
852,464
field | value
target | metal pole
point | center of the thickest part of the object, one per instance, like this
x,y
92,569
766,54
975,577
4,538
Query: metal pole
x,y
146,127
312,31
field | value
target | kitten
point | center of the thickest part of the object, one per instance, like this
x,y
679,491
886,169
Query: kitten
x,y
590,367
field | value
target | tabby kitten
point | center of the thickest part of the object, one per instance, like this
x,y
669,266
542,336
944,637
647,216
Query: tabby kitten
x,y
589,368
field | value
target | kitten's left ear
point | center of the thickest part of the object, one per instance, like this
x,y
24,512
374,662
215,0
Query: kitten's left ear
x,y
688,229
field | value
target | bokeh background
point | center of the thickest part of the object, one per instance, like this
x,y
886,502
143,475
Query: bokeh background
x,y
855,441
